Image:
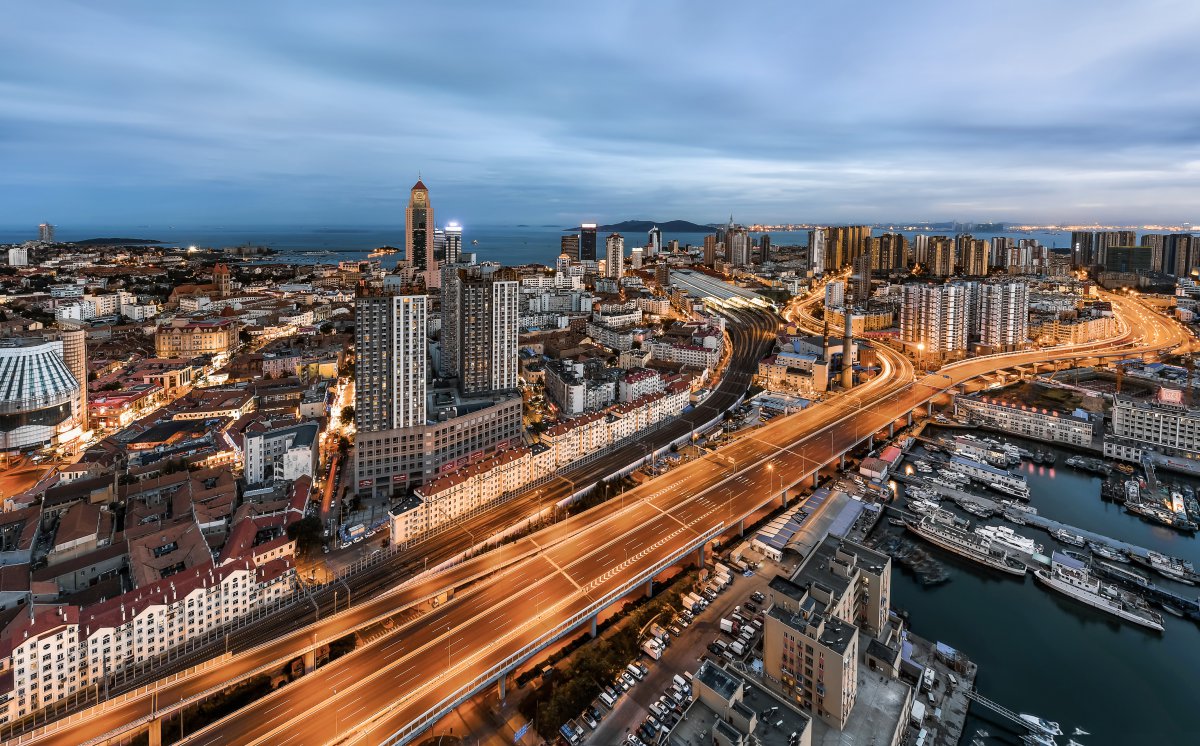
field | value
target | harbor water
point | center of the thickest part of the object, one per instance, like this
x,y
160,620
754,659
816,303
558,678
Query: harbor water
x,y
1042,653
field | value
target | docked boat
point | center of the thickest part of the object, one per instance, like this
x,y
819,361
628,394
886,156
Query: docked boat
x,y
1071,577
1011,484
1014,516
1124,574
1133,493
977,510
1106,552
1009,539
1172,610
1171,567
1045,727
1019,506
944,530
896,521
923,506
1019,491
1069,538
1038,739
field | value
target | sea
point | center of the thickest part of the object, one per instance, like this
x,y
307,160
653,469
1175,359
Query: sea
x,y
1044,654
507,244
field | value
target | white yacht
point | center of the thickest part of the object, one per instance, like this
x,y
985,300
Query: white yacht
x,y
1009,539
1048,727
1071,577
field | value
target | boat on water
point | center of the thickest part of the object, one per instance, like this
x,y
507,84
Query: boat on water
x,y
1072,578
977,510
1038,739
923,506
1124,574
1172,568
943,529
1019,491
1172,610
1009,539
1069,538
1019,506
1014,516
1040,725
896,521
1106,552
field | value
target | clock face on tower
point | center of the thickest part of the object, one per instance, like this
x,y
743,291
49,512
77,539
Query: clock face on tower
x,y
419,199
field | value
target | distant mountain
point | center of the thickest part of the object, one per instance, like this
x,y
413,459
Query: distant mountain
x,y
642,226
116,242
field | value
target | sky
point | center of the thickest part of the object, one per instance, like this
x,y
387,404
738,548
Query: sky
x,y
324,113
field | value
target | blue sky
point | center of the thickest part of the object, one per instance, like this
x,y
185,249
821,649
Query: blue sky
x,y
525,112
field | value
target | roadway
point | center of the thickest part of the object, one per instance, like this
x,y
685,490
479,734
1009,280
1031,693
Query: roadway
x,y
398,584
442,655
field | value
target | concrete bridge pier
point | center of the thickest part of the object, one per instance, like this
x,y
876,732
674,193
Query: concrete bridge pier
x,y
892,429
742,527
310,661
841,462
816,479
909,416
700,555
501,684
592,632
155,732
871,442
650,588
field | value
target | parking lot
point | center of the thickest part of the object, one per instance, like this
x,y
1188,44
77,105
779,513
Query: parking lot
x,y
682,656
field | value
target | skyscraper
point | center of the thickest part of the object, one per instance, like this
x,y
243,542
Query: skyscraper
x,y
1127,258
737,247
941,256
975,253
710,249
635,257
389,374
1004,315
1083,248
654,241
453,249
570,246
46,233
920,249
485,311
614,255
844,243
816,249
1107,239
418,231
888,253
861,278
764,244
587,242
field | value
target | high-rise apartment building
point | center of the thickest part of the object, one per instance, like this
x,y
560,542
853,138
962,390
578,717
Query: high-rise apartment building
x,y
860,279
635,257
483,310
1184,250
817,240
389,373
737,246
46,233
941,256
1083,248
570,246
920,249
18,256
764,247
835,294
935,316
614,255
1107,239
1127,258
888,252
587,242
998,257
418,231
974,256
1003,315
843,244
710,250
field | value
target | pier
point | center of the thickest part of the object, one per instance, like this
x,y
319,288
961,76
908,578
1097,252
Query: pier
x,y
999,709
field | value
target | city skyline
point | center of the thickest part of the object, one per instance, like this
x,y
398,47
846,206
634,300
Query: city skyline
x,y
548,115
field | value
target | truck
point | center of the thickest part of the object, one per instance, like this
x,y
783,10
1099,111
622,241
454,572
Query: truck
x,y
634,671
695,603
663,635
729,625
738,648
652,648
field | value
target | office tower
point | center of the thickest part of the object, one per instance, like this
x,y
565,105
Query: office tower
x,y
453,250
222,279
1127,258
570,246
483,309
635,257
389,373
934,316
843,244
439,245
816,249
1083,248
764,245
46,233
587,242
1004,315
737,247
418,230
975,253
654,241
614,255
920,249
941,256
861,279
18,256
1107,239
710,250
835,294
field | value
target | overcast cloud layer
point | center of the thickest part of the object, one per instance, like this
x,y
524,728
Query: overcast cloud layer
x,y
324,112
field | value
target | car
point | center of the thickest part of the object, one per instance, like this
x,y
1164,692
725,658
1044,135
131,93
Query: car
x,y
682,622
633,740
643,667
750,606
714,648
587,718
628,677
675,630
653,722
758,596
595,713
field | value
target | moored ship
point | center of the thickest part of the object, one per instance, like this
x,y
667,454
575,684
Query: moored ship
x,y
940,528
1071,577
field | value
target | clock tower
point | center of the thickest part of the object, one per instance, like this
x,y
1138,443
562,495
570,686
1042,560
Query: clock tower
x,y
418,234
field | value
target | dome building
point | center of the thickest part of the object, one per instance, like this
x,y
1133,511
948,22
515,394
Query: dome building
x,y
40,399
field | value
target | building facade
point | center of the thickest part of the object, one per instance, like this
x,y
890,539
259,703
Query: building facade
x,y
1075,428
390,371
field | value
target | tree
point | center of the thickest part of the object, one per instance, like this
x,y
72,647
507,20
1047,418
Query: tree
x,y
307,533
347,415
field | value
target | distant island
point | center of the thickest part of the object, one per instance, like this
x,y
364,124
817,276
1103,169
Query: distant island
x,y
117,242
643,226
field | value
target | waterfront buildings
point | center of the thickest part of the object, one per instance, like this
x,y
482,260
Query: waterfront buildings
x,y
1076,428
1165,423
729,708
941,256
46,233
836,606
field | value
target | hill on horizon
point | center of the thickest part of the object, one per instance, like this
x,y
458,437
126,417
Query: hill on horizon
x,y
643,226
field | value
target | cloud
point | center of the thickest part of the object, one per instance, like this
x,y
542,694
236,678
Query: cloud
x,y
531,112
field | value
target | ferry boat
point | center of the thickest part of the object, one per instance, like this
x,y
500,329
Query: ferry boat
x,y
1009,539
942,529
1071,577
1048,727
1066,537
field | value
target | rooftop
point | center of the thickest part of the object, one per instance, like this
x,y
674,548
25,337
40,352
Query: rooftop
x,y
747,710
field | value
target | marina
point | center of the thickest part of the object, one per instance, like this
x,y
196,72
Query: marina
x,y
977,606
